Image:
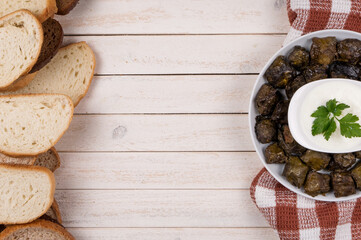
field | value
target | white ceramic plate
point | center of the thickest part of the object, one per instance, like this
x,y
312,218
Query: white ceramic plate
x,y
276,169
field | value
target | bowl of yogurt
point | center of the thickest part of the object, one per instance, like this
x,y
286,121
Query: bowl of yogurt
x,y
308,98
303,103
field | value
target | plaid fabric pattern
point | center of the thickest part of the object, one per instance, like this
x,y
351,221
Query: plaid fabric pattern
x,y
295,217
312,15
298,218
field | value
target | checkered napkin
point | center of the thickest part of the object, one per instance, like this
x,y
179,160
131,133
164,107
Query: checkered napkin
x,y
295,217
311,15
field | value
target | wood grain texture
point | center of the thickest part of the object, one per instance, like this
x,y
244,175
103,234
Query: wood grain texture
x,y
158,208
174,233
176,17
205,132
224,54
168,94
157,170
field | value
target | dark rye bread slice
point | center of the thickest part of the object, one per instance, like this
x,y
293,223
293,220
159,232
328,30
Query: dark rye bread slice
x,y
65,6
38,230
50,159
54,213
53,38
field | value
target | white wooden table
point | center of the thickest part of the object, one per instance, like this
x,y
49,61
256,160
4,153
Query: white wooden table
x,y
160,147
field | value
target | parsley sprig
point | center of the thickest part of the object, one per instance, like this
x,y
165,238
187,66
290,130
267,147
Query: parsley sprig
x,y
326,117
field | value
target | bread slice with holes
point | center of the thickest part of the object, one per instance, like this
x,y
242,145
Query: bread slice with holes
x,y
21,36
42,9
50,159
4,159
65,6
32,124
26,193
38,230
70,72
53,38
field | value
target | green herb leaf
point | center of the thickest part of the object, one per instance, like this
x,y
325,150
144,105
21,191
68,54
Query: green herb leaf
x,y
349,118
331,129
320,125
331,105
320,112
349,127
339,108
325,122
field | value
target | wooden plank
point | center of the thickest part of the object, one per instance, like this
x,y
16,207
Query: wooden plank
x,y
205,132
157,170
174,233
176,16
158,208
168,94
181,54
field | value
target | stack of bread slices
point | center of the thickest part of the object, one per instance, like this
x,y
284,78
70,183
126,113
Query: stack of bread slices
x,y
41,82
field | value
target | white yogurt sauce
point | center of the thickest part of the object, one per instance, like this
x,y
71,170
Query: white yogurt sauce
x,y
343,92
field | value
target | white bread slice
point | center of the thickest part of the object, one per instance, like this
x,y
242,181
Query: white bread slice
x,y
19,161
32,124
26,193
50,159
20,82
21,37
70,72
38,230
42,9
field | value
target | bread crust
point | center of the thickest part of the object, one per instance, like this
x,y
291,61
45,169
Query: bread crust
x,y
40,223
67,8
19,83
56,209
13,154
40,29
35,169
49,11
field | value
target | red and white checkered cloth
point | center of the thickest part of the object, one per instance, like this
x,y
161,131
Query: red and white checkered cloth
x,y
312,15
295,217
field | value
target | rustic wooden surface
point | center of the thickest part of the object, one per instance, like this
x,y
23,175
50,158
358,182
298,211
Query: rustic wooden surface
x,y
160,148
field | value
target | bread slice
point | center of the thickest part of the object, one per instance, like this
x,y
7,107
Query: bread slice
x,y
70,72
4,159
50,159
53,38
20,83
26,193
21,37
32,124
54,212
65,6
42,9
38,230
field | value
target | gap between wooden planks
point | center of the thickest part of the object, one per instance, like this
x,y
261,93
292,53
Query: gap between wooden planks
x,y
176,16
